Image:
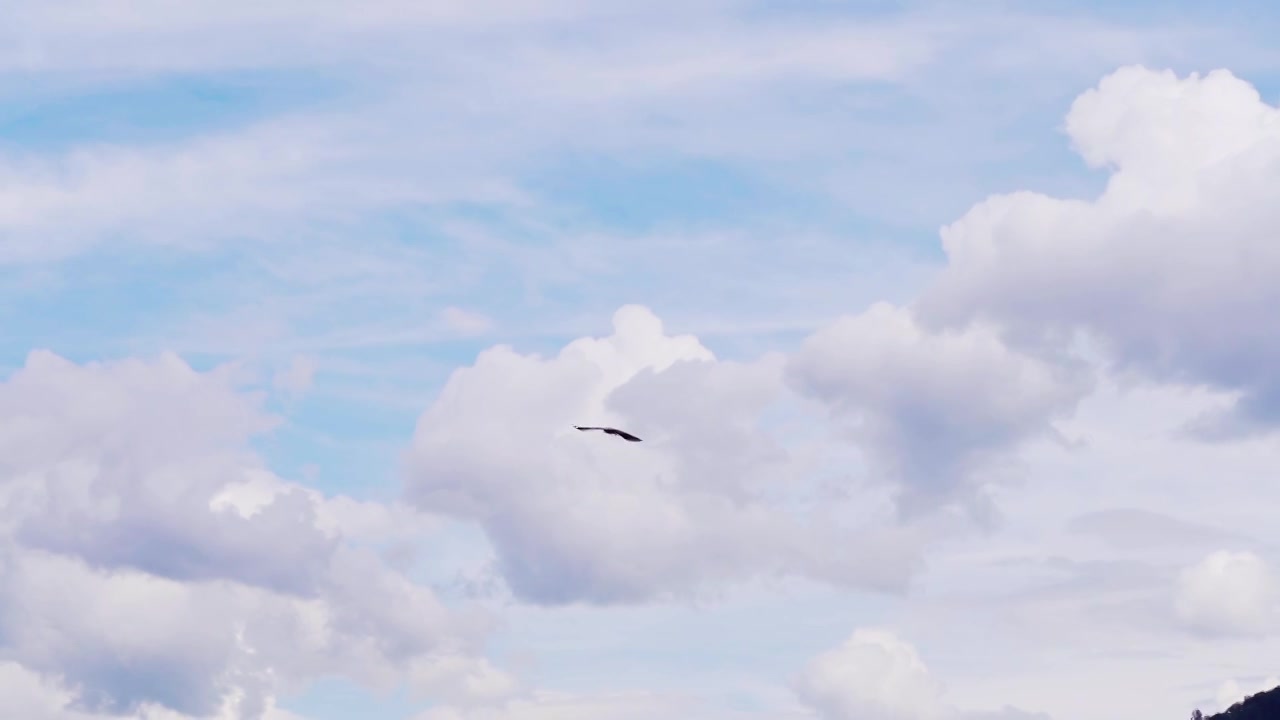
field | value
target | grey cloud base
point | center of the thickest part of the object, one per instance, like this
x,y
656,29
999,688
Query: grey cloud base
x,y
933,411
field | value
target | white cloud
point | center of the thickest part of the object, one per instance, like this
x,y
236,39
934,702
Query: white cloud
x,y
246,183
117,463
873,675
932,409
547,705
1231,691
876,675
1229,593
465,322
126,639
1173,268
160,37
617,701
463,681
720,82
418,142
34,697
296,378
1075,589
30,696
1129,529
132,506
590,517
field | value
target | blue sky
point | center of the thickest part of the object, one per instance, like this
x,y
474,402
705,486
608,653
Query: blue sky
x,y
910,343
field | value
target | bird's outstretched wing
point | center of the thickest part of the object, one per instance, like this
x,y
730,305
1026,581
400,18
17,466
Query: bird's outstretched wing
x,y
612,431
622,434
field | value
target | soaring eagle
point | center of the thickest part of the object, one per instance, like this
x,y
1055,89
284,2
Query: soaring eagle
x,y
612,431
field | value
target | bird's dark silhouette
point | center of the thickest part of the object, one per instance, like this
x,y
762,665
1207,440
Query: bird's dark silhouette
x,y
612,431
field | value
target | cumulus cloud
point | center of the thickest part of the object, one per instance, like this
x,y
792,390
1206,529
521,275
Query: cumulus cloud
x,y
31,696
931,408
117,463
1229,593
873,675
588,517
149,560
463,682
1172,270
876,675
28,695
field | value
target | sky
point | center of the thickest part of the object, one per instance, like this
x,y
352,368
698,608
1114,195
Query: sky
x,y
947,328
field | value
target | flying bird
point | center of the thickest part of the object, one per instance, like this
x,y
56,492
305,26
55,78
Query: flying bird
x,y
612,431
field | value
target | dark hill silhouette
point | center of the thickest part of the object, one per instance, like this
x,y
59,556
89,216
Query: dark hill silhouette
x,y
1261,706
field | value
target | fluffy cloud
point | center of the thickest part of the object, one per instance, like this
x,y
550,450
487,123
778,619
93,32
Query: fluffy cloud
x,y
148,560
1173,270
463,682
876,675
588,517
873,675
118,463
930,408
31,696
1229,593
